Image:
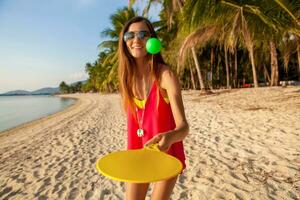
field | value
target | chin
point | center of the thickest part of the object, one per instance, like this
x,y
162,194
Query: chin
x,y
139,55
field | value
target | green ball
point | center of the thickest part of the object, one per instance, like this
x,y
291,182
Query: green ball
x,y
153,45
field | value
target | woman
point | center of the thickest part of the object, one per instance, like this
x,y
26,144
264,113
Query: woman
x,y
151,96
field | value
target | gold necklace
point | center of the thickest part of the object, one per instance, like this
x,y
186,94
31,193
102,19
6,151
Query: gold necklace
x,y
140,131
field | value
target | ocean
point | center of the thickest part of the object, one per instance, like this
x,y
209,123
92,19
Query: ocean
x,y
17,110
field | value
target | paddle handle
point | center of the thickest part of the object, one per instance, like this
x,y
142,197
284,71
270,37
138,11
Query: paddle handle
x,y
152,147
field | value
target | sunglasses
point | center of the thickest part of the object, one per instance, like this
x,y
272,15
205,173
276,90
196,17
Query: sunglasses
x,y
139,34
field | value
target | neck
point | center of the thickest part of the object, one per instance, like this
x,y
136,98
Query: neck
x,y
143,68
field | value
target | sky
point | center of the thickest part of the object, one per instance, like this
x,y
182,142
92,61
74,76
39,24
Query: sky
x,y
45,42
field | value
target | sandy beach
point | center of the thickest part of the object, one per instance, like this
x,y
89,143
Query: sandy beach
x,y
243,144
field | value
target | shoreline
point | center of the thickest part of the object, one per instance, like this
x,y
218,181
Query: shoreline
x,y
243,144
50,116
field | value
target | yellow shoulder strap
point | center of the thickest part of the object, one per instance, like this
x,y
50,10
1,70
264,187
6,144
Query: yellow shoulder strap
x,y
139,103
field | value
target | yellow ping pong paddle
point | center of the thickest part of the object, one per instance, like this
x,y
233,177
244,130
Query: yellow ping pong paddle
x,y
139,166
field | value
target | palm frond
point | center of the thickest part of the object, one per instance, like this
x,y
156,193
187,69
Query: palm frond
x,y
285,7
130,3
109,44
197,38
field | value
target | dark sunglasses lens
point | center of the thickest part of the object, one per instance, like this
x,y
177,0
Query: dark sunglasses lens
x,y
142,34
128,36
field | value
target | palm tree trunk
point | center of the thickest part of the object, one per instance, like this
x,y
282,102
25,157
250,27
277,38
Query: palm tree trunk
x,y
218,73
249,44
286,59
274,65
227,70
298,55
180,4
192,77
230,69
267,76
251,54
202,86
212,56
244,77
235,82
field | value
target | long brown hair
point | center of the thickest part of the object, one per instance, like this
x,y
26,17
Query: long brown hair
x,y
128,68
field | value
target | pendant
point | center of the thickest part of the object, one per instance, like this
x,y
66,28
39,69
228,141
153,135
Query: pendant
x,y
140,132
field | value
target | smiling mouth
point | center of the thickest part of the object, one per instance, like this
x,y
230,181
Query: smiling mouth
x,y
136,47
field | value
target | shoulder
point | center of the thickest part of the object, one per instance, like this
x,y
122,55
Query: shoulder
x,y
168,78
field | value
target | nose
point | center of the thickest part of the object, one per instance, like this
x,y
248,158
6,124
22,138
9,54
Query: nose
x,y
136,38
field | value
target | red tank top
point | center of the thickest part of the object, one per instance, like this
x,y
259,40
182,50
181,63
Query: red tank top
x,y
157,119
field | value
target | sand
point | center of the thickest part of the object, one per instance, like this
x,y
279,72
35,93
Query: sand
x,y
243,144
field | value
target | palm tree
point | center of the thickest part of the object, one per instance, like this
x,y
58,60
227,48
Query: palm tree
x,y
63,87
279,20
109,59
238,21
257,26
200,36
91,70
170,7
203,24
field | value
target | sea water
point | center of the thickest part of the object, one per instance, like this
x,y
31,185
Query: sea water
x,y
17,110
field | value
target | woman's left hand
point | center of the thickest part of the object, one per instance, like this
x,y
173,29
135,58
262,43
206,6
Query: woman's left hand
x,y
163,141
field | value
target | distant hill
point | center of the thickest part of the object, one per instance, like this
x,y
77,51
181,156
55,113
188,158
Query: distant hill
x,y
42,91
47,90
17,92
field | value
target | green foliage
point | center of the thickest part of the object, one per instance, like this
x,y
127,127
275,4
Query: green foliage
x,y
63,88
243,25
103,73
239,26
66,89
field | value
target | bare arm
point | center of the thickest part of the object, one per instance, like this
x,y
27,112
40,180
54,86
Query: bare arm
x,y
170,83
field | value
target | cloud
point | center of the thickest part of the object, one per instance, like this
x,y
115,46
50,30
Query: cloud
x,y
78,76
